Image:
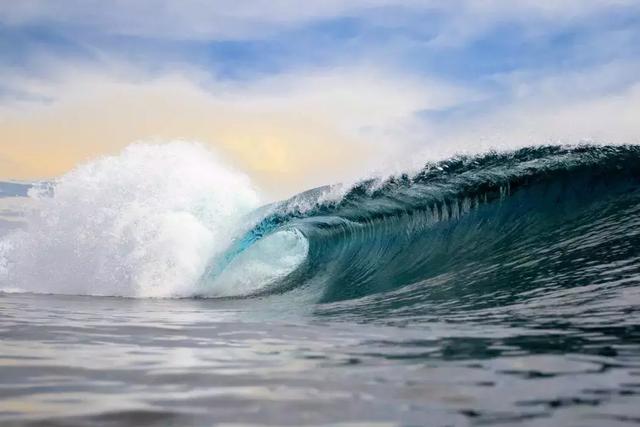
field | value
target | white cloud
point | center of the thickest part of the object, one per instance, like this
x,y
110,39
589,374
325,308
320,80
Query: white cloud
x,y
308,121
598,105
290,131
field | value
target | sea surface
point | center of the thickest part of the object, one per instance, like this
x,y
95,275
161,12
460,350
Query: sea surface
x,y
155,288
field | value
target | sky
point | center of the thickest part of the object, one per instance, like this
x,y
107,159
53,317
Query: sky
x,y
299,94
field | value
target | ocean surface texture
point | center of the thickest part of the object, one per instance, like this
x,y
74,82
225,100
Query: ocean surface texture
x,y
154,288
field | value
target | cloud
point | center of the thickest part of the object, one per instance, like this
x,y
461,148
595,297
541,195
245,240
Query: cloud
x,y
607,119
295,131
598,105
290,131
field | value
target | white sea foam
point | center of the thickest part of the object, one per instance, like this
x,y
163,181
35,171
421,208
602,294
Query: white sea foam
x,y
143,223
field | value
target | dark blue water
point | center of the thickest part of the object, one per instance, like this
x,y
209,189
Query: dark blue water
x,y
499,289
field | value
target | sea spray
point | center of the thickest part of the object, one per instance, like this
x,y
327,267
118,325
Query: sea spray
x,y
142,223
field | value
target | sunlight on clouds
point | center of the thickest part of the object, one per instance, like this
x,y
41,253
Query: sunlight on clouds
x,y
293,132
290,132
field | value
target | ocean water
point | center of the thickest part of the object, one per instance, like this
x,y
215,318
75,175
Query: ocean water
x,y
156,288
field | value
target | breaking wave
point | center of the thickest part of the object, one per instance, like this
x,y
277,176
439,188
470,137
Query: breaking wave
x,y
173,221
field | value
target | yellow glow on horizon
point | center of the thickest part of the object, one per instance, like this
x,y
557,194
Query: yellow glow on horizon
x,y
283,150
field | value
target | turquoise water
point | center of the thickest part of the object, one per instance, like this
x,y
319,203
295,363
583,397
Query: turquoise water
x,y
498,289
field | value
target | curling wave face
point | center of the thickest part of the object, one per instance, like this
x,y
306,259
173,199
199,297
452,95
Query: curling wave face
x,y
172,221
469,230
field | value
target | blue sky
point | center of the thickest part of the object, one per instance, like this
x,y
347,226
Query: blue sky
x,y
460,75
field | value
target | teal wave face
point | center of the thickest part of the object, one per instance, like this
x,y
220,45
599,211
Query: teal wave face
x,y
469,231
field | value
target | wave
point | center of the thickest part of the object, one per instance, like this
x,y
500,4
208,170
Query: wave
x,y
173,221
467,227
